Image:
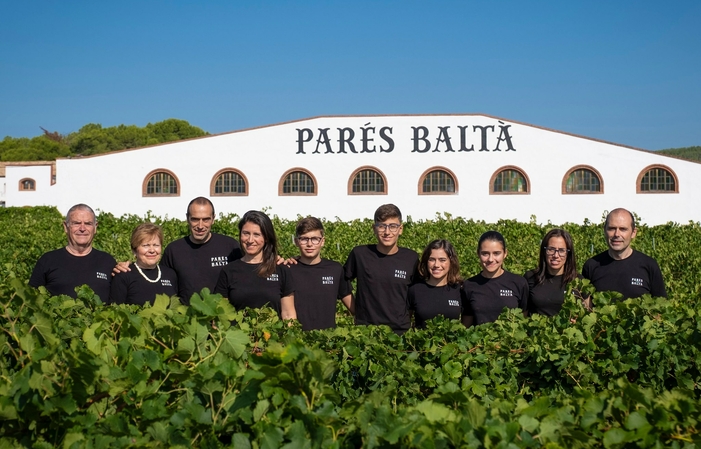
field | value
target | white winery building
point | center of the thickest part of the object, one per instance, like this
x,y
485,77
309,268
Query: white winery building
x,y
469,165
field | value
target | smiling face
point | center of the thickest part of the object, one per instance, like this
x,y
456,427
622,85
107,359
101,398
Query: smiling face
x,y
438,265
492,255
310,244
200,218
148,253
387,233
620,233
80,228
252,242
556,261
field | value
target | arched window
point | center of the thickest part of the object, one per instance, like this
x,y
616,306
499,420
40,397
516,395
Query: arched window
x,y
582,179
657,179
438,181
228,182
27,185
509,180
297,181
367,181
161,182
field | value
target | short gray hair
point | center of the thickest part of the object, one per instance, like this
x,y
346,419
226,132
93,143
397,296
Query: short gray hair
x,y
80,206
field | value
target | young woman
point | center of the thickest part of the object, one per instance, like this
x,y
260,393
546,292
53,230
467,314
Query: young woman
x,y
256,280
494,288
557,267
147,278
439,292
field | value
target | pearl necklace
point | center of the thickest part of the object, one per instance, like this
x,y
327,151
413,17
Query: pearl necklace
x,y
158,278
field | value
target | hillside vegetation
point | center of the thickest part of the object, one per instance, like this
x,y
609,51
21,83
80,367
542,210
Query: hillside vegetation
x,y
94,139
690,153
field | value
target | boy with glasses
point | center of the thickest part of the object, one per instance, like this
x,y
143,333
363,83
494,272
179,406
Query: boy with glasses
x,y
384,272
319,283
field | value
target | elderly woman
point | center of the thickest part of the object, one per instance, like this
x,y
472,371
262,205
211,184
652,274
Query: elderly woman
x,y
146,278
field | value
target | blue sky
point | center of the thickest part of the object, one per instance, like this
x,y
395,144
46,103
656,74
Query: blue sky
x,y
628,72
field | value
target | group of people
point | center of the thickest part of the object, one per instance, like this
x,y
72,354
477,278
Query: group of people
x,y
392,283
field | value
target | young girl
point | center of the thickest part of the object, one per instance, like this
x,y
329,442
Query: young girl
x,y
494,288
557,267
439,291
256,280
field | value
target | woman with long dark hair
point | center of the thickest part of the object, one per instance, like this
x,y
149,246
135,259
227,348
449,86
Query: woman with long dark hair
x,y
256,280
439,292
494,288
557,267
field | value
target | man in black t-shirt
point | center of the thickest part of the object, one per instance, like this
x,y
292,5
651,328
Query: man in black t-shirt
x,y
199,257
62,270
384,272
621,268
319,283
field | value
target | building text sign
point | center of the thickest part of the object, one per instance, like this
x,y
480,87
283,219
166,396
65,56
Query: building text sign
x,y
370,139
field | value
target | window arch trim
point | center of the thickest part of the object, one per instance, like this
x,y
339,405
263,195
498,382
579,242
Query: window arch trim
x,y
582,167
641,175
521,171
147,178
33,187
213,183
363,168
437,168
293,170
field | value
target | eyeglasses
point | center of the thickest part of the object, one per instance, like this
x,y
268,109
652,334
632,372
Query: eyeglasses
x,y
550,251
304,240
393,227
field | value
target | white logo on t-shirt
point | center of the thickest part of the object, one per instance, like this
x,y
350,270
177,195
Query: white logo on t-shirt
x,y
219,261
636,281
327,280
102,276
401,274
454,303
166,283
273,277
506,292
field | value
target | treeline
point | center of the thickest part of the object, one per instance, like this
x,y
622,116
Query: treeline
x,y
691,153
94,139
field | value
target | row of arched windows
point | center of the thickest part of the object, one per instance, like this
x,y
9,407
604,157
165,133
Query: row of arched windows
x,y
434,181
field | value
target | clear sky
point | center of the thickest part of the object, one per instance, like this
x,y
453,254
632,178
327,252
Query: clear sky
x,y
627,72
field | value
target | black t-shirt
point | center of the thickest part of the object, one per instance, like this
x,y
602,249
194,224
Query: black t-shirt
x,y
317,288
239,281
130,287
546,298
428,302
198,265
61,272
633,276
382,286
486,298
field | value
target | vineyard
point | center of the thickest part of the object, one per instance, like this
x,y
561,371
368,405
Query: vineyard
x,y
77,374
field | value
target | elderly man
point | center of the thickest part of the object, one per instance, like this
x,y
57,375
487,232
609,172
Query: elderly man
x,y
199,257
62,270
621,268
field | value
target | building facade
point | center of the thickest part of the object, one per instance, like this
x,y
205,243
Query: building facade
x,y
472,166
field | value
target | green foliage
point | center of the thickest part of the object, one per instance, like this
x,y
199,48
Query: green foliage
x,y
691,153
94,139
75,373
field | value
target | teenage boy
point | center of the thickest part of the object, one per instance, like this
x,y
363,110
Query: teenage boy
x,y
319,283
384,272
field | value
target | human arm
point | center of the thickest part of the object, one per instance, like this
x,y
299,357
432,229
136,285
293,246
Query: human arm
x,y
468,320
349,302
657,288
38,278
121,267
287,307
